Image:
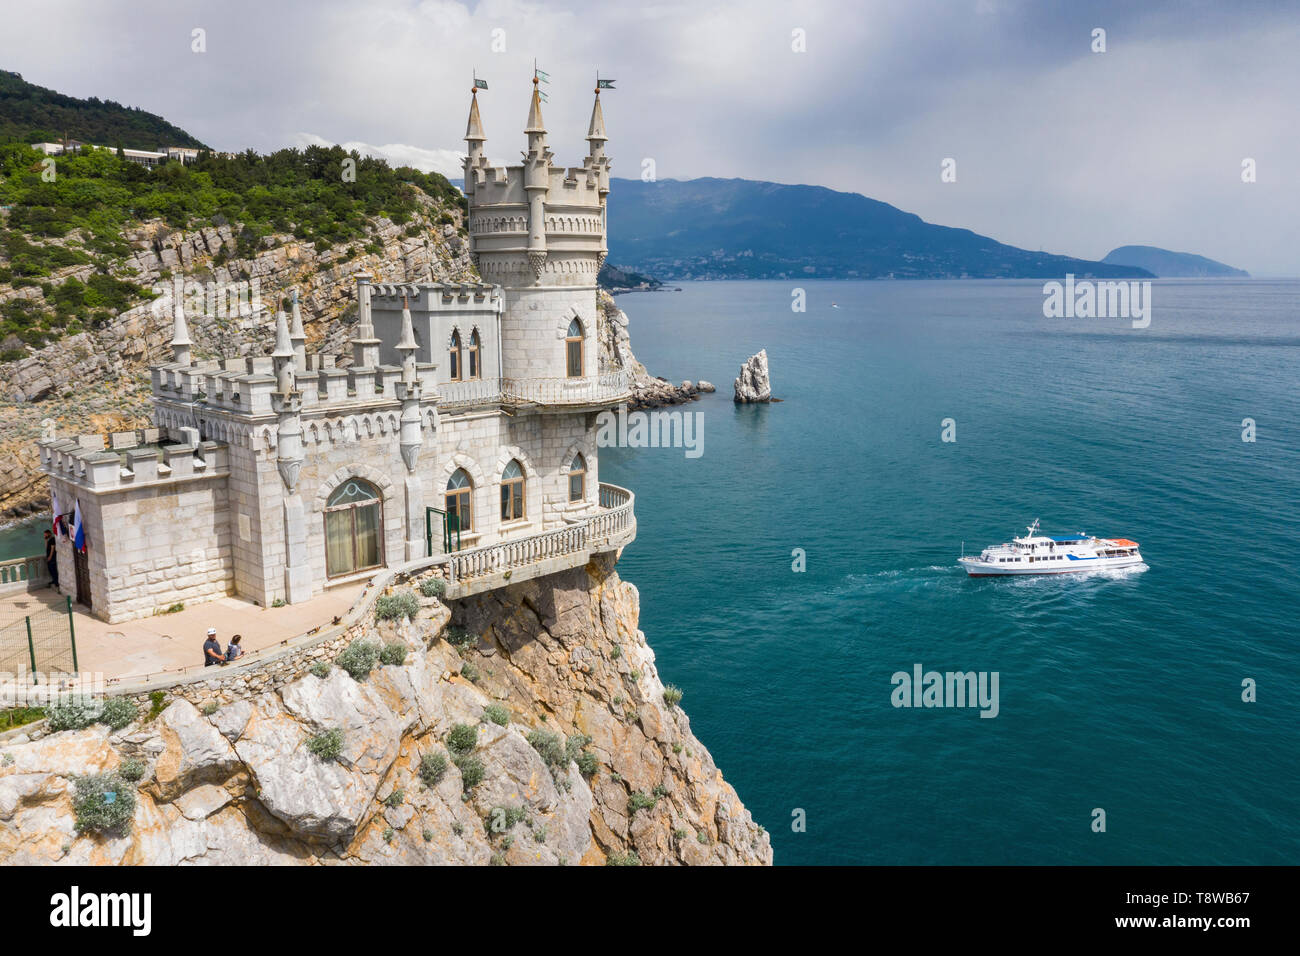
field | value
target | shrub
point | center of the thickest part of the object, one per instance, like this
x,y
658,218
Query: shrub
x,y
131,769
428,836
388,834
573,746
432,769
501,819
433,587
321,669
471,771
470,672
460,638
497,714
74,714
640,800
587,763
623,859
394,607
118,712
395,798
462,739
359,658
327,746
458,828
550,746
672,695
156,699
616,653
394,653
103,802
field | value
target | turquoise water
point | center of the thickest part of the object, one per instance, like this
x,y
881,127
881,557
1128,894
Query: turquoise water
x,y
24,539
1121,692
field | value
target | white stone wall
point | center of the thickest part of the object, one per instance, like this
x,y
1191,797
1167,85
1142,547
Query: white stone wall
x,y
535,325
151,547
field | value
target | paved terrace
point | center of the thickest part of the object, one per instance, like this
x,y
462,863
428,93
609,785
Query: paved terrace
x,y
152,646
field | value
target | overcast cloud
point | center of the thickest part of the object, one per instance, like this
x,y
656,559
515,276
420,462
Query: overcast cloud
x,y
1057,147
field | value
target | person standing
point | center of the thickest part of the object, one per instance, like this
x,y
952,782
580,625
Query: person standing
x,y
212,649
52,558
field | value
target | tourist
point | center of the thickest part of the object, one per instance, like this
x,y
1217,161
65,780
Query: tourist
x,y
235,650
212,649
52,558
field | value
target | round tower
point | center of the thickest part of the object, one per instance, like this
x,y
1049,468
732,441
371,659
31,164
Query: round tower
x,y
538,231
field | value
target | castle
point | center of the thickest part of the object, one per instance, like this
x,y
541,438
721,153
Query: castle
x,y
463,426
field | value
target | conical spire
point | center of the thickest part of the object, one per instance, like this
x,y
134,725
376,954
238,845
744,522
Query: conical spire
x,y
474,128
535,124
407,345
596,129
283,344
180,335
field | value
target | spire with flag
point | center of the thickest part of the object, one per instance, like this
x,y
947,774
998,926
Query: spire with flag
x,y
544,77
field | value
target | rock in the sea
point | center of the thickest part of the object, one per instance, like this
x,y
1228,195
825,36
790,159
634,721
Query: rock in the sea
x,y
704,386
753,383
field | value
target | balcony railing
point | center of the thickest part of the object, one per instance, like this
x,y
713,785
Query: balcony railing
x,y
608,528
606,388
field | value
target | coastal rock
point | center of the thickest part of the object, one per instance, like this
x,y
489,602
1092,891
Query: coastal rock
x,y
753,384
562,655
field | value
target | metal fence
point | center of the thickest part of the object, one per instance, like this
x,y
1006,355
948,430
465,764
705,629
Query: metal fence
x,y
43,642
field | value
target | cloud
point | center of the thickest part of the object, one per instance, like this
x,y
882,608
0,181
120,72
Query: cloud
x,y
1056,147
445,161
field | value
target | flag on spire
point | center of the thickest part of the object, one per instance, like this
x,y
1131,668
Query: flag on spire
x,y
480,84
604,84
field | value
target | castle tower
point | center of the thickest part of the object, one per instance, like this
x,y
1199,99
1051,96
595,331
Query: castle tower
x,y
538,231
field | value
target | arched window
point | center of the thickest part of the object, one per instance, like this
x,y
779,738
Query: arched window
x,y
472,356
512,492
453,357
577,479
573,350
354,521
460,508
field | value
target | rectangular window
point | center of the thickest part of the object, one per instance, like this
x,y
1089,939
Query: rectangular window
x,y
512,500
573,350
577,490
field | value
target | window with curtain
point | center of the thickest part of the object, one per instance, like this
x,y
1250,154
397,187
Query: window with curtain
x,y
512,492
577,479
573,350
472,356
460,511
453,357
353,528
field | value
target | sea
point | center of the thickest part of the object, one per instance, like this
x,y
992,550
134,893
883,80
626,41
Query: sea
x,y
808,554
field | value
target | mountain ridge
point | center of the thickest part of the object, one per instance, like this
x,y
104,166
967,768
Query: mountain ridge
x,y
1167,264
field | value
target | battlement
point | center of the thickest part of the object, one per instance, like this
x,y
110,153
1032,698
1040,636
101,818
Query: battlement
x,y
131,459
436,296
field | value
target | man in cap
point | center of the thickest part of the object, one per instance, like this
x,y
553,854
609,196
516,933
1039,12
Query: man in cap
x,y
212,649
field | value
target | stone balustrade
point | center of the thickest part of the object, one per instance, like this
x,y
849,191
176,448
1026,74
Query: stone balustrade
x,y
612,527
22,574
604,389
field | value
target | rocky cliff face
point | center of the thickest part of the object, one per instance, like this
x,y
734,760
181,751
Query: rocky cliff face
x,y
553,699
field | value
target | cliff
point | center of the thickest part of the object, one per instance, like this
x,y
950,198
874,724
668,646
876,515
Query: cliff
x,y
552,699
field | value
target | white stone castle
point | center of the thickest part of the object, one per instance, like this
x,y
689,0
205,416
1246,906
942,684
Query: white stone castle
x,y
464,425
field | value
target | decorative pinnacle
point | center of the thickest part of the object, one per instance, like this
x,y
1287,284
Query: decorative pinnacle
x,y
180,334
283,345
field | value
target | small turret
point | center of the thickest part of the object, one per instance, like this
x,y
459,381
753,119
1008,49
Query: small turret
x,y
407,344
298,336
365,347
475,161
537,181
180,335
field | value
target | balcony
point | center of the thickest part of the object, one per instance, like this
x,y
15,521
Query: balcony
x,y
610,528
608,388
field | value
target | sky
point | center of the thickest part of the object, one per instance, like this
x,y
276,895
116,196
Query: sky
x,y
1057,146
